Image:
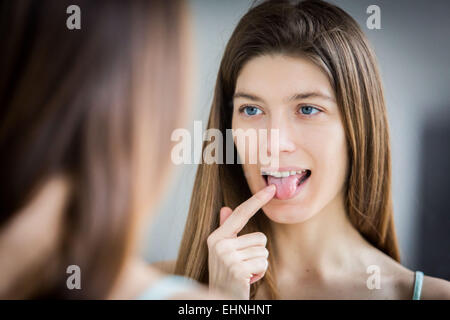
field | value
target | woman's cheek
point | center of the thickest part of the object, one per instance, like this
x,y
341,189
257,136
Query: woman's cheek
x,y
331,157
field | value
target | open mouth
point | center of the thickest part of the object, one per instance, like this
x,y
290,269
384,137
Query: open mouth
x,y
288,183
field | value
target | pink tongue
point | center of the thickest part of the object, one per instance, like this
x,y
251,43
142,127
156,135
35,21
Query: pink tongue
x,y
285,186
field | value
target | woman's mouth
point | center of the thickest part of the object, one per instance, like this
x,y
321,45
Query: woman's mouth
x,y
288,182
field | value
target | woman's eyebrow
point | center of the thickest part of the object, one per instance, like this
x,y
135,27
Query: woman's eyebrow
x,y
311,94
297,96
248,96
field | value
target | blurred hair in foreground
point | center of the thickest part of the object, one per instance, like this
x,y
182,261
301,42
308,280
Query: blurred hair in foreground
x,y
95,106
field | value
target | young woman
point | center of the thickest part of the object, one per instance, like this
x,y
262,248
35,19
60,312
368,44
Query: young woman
x,y
83,120
326,229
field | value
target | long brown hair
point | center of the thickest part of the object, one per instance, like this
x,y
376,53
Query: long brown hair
x,y
330,38
98,104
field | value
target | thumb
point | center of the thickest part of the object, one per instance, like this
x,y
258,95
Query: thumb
x,y
225,212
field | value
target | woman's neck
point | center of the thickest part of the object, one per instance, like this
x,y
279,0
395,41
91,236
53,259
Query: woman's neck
x,y
322,246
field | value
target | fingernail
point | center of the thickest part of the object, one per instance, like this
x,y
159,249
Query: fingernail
x,y
270,188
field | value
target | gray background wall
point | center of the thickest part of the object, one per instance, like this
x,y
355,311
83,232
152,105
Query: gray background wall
x,y
413,52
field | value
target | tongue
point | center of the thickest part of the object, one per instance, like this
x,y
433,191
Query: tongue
x,y
285,186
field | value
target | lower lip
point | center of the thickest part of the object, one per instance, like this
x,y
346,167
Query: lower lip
x,y
297,191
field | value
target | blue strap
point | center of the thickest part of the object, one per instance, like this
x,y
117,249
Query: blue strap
x,y
418,285
167,287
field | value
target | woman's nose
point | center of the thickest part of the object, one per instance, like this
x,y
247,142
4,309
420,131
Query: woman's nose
x,y
283,135
285,142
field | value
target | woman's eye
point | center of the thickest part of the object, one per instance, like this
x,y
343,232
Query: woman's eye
x,y
308,110
251,111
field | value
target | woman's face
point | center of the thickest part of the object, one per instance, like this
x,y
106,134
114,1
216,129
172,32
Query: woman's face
x,y
293,95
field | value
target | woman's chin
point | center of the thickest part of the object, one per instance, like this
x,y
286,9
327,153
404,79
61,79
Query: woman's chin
x,y
287,214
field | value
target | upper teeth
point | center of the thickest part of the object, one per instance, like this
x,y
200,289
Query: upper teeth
x,y
282,174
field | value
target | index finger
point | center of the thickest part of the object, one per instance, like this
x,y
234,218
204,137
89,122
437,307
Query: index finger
x,y
240,216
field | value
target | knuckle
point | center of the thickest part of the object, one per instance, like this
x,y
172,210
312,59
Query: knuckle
x,y
258,264
222,247
261,237
229,259
261,263
235,257
219,247
210,240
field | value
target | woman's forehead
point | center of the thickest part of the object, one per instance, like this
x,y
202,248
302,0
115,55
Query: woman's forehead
x,y
280,76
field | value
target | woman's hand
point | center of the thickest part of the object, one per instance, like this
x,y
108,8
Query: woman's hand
x,y
236,262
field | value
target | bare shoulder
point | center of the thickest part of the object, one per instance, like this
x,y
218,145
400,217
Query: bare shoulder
x,y
435,289
167,266
400,280
432,288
